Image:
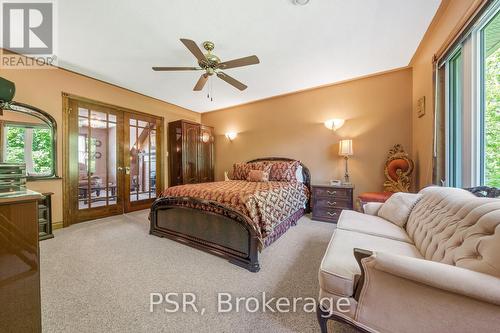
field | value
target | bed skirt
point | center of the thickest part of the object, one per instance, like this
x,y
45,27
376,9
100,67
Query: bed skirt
x,y
281,228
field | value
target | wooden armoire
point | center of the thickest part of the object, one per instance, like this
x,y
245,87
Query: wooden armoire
x,y
191,153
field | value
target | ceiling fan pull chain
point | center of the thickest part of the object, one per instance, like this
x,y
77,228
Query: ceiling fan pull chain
x,y
211,91
208,88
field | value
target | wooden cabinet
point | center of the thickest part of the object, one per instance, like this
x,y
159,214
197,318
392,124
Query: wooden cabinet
x,y
329,201
45,216
20,309
191,153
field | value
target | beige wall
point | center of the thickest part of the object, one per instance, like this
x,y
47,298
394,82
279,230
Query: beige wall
x,y
377,111
43,88
450,16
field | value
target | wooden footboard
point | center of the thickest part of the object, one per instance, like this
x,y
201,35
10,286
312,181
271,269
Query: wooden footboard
x,y
208,226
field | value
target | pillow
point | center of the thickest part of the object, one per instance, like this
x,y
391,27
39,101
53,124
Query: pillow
x,y
398,207
284,171
258,176
241,170
298,174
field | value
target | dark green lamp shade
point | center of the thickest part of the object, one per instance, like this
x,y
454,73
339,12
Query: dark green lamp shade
x,y
7,90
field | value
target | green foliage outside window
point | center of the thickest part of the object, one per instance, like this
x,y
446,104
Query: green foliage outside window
x,y
41,148
492,120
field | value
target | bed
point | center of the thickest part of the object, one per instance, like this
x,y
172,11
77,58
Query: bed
x,y
234,219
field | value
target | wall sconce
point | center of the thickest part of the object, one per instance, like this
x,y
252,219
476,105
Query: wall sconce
x,y
334,124
231,135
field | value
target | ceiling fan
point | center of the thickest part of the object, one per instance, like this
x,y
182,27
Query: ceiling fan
x,y
211,64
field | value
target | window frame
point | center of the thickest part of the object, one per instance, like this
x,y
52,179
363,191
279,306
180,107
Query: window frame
x,y
454,105
468,149
24,125
480,37
49,122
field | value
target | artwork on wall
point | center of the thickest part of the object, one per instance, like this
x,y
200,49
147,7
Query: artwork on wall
x,y
421,107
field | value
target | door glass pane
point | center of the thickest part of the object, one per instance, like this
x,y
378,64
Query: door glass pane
x,y
97,154
142,160
491,103
152,178
112,165
83,161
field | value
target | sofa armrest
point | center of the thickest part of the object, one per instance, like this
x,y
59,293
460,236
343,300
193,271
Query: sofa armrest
x,y
398,294
372,208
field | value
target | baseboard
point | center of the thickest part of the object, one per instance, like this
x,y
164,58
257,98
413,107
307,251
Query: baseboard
x,y
57,225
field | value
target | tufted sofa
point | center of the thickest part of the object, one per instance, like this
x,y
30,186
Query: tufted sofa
x,y
440,273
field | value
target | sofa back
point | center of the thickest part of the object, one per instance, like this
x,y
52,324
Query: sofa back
x,y
453,226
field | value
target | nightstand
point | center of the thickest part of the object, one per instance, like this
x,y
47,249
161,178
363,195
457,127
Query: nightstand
x,y
328,201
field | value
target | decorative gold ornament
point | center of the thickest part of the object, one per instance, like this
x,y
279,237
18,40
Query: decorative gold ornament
x,y
398,170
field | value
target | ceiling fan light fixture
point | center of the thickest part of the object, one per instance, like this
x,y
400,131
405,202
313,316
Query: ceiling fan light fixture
x,y
300,2
211,64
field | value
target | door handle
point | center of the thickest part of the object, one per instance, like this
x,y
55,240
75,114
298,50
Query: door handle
x,y
331,192
332,203
126,169
331,214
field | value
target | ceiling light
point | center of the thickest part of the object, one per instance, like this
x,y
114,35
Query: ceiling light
x,y
300,2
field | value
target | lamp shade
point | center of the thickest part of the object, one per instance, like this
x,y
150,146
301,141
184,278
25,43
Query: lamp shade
x,y
345,148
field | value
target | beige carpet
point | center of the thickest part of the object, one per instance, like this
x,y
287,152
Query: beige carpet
x,y
98,276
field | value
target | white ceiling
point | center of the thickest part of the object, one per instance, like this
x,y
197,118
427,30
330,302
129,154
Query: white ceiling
x,y
299,47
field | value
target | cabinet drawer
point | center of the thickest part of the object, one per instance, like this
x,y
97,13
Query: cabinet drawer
x,y
337,193
325,214
331,203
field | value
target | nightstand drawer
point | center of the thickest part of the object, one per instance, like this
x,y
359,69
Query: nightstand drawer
x,y
328,201
326,214
337,193
331,203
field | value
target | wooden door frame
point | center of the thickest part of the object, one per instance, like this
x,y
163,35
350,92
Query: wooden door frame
x,y
66,97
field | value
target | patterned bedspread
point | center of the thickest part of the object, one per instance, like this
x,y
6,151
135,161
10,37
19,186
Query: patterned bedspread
x,y
267,204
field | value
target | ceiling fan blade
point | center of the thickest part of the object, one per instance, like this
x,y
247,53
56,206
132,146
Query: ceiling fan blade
x,y
232,81
251,60
201,82
195,50
159,69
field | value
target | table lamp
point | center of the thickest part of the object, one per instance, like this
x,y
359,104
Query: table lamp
x,y
345,150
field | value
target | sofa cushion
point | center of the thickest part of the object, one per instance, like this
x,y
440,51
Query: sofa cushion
x,y
371,225
338,267
398,207
453,226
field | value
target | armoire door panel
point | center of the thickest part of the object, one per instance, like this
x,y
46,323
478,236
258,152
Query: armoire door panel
x,y
190,152
206,154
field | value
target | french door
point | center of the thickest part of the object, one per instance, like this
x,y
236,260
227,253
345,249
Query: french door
x,y
141,160
113,162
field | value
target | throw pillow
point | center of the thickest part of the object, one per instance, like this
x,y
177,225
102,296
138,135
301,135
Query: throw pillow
x,y
258,176
284,171
241,170
398,207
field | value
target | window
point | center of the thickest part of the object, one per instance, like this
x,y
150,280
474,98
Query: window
x,y
28,135
30,144
490,106
468,98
